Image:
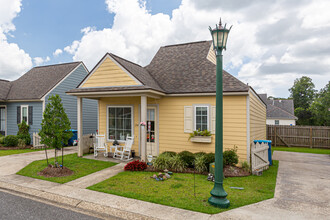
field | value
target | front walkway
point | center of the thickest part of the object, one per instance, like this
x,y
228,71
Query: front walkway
x,y
302,192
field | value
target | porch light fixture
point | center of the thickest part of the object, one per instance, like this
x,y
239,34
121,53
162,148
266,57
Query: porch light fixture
x,y
218,194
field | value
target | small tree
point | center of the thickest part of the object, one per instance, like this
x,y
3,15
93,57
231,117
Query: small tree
x,y
55,126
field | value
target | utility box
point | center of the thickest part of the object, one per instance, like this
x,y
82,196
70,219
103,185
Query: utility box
x,y
212,168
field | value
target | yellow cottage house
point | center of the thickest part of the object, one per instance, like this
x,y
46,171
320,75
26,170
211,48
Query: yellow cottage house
x,y
174,95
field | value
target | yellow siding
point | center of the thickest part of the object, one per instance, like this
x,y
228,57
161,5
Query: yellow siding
x,y
171,122
257,118
109,74
211,55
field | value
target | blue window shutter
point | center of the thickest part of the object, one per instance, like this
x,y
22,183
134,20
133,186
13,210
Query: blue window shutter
x,y
30,115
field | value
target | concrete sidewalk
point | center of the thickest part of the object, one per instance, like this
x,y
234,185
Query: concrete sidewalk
x,y
302,192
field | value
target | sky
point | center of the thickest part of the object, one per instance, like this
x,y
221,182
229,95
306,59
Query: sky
x,y
271,42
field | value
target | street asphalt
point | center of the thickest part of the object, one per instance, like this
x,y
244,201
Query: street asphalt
x,y
13,207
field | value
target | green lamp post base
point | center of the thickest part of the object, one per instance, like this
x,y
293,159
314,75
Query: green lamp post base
x,y
221,202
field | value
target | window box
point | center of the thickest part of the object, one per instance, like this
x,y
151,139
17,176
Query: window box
x,y
201,139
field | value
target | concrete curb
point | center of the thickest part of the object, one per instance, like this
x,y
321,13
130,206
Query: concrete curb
x,y
96,209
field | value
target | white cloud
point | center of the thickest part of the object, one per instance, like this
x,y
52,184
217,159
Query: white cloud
x,y
13,60
39,60
57,52
266,46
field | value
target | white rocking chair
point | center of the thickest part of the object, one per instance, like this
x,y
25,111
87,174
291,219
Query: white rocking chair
x,y
124,152
100,145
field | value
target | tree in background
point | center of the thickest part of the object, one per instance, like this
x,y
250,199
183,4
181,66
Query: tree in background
x,y
55,126
320,108
303,94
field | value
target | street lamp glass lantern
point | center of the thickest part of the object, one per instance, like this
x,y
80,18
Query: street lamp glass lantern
x,y
219,36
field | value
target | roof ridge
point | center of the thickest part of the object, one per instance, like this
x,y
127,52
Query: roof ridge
x,y
111,54
4,80
181,44
58,64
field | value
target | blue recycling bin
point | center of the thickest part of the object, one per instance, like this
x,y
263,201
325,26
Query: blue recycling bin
x,y
74,137
269,149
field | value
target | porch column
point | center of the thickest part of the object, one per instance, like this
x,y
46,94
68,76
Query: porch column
x,y
79,126
143,128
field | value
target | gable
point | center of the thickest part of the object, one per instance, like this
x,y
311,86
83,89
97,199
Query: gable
x,y
109,73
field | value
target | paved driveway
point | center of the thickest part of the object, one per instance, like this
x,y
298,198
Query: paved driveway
x,y
11,164
302,190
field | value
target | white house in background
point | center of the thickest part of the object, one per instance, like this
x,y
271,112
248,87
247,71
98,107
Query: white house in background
x,y
279,112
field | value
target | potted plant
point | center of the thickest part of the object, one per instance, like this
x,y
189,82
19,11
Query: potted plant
x,y
201,136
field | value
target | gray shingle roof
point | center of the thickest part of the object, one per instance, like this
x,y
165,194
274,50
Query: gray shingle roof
x,y
282,108
4,89
38,81
184,68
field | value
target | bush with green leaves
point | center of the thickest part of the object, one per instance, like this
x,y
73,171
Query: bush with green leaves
x,y
177,163
200,163
188,158
245,166
230,157
23,128
169,153
162,162
21,143
200,133
199,154
11,141
209,158
25,137
2,140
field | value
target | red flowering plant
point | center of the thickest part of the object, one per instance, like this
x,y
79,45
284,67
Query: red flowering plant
x,y
135,165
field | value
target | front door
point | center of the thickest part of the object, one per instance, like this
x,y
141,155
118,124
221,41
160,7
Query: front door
x,y
152,131
3,120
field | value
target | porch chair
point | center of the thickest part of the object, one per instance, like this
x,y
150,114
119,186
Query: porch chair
x,y
100,145
124,152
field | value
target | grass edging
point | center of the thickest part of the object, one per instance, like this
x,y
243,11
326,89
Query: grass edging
x,y
80,166
179,191
302,150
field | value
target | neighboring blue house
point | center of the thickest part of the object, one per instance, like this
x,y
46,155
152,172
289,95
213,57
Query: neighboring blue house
x,y
26,98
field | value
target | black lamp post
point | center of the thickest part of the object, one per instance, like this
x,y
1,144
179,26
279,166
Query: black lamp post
x,y
218,194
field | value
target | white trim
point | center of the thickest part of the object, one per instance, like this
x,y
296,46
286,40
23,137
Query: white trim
x,y
28,100
208,94
27,113
98,116
120,66
156,124
118,93
6,118
208,115
44,96
248,153
132,120
255,94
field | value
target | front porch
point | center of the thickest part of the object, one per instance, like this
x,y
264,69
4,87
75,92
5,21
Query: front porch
x,y
120,116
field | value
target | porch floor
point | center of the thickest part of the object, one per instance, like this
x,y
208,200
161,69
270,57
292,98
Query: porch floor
x,y
111,159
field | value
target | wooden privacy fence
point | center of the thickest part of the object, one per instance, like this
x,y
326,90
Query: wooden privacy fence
x,y
299,136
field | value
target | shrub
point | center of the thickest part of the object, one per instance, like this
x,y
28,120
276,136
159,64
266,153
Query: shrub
x,y
162,162
23,128
188,158
25,137
11,141
230,157
21,143
199,154
245,166
168,153
200,163
177,163
135,166
209,158
2,140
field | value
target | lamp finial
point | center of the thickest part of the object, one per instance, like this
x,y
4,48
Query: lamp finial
x,y
220,24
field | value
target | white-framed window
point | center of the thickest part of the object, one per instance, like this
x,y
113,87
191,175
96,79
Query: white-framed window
x,y
201,117
277,122
119,122
25,113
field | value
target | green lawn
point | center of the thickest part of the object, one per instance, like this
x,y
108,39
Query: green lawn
x,y
179,190
10,152
80,166
302,150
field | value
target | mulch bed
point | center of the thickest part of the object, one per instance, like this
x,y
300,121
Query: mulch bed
x,y
228,171
56,172
231,171
15,148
